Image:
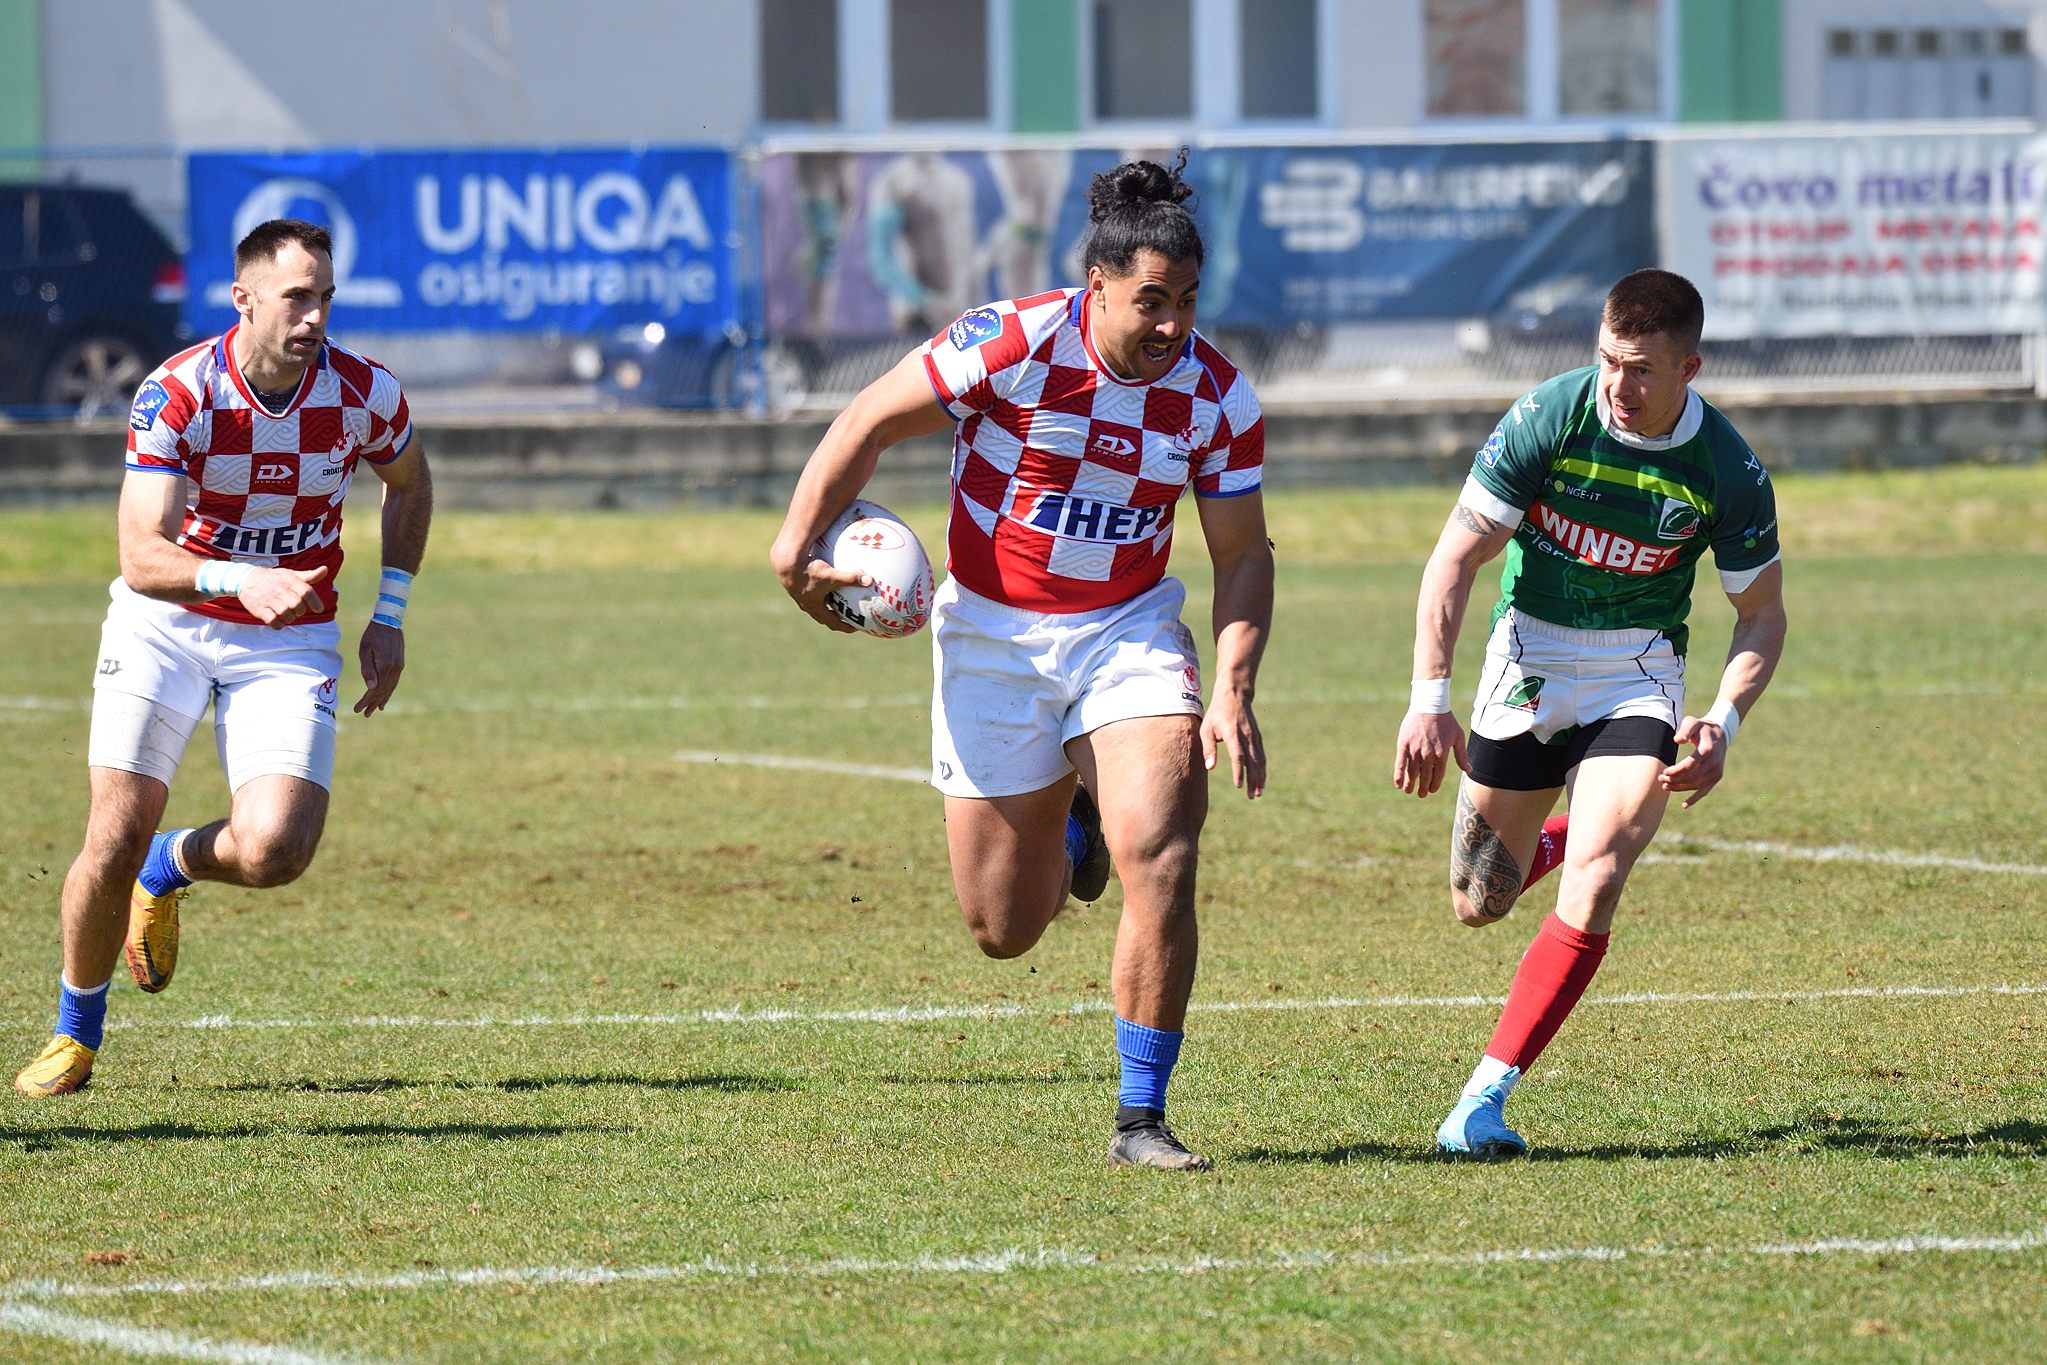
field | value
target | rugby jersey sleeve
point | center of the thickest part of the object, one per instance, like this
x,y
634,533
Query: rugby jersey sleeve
x,y
390,418
972,364
157,419
1744,520
1235,459
1506,473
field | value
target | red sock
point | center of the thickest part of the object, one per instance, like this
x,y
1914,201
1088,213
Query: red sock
x,y
1554,973
1549,850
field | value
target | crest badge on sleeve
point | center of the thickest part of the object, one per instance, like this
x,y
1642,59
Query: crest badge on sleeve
x,y
971,329
149,401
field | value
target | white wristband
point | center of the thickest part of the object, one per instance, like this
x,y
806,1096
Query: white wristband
x,y
394,590
1725,716
1428,696
222,577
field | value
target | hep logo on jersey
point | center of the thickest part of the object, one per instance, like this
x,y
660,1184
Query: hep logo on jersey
x,y
971,329
149,401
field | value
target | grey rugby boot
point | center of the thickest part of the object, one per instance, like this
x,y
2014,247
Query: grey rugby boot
x,y
1148,1142
1091,874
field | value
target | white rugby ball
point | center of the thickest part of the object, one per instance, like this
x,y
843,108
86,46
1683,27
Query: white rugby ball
x,y
869,538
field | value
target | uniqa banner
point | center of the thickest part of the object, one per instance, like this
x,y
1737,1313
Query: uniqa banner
x,y
484,239
1892,234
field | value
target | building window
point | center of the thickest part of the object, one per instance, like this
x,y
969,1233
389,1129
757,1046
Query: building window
x,y
938,61
1607,57
1477,57
1934,73
1277,40
1143,59
799,61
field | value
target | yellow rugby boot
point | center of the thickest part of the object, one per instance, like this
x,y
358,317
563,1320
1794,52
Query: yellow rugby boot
x,y
153,936
62,1067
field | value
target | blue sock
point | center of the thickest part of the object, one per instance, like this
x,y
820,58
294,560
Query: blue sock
x,y
1076,841
82,1014
160,870
1148,1055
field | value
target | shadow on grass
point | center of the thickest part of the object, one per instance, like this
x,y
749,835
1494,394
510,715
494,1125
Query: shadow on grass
x,y
2023,1139
372,1085
45,1139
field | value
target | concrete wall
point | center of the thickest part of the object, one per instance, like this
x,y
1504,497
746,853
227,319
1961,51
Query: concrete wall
x,y
641,459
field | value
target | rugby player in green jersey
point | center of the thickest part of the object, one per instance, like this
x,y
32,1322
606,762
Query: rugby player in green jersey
x,y
1604,486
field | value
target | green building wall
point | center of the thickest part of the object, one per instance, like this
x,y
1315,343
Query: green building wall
x,y
21,88
1730,61
1045,66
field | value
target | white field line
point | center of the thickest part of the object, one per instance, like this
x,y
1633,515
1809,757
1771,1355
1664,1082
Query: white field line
x,y
1011,1261
29,1320
922,776
682,701
1837,853
919,1014
1848,853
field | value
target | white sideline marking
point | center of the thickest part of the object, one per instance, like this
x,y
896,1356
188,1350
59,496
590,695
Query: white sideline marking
x,y
1848,853
918,1014
29,1320
1836,853
810,765
1011,1260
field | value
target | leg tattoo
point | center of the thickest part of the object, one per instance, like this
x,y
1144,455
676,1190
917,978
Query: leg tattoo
x,y
1480,865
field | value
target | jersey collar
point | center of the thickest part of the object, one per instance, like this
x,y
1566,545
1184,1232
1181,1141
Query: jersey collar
x,y
224,356
1688,423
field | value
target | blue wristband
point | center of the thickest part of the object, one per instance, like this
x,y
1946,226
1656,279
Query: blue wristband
x,y
222,577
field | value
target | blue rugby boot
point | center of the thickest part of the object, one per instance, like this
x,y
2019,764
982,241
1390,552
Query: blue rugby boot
x,y
1477,1127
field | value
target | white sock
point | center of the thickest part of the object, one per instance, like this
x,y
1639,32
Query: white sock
x,y
1491,1072
81,990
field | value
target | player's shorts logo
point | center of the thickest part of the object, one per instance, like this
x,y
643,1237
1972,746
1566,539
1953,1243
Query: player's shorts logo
x,y
149,401
971,329
1679,520
1521,696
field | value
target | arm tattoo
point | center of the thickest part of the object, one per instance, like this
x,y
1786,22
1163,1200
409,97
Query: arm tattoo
x,y
1475,522
1480,866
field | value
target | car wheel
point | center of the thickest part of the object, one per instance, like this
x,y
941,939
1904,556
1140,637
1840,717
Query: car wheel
x,y
95,374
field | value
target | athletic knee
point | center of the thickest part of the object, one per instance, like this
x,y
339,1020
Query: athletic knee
x,y
276,860
1164,856
1472,915
1001,937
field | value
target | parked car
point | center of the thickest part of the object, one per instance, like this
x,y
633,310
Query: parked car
x,y
90,296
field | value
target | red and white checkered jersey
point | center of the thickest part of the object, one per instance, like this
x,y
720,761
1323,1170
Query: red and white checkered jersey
x,y
1064,477
265,488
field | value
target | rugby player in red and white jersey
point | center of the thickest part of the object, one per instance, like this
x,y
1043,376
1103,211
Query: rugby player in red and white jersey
x,y
240,453
1083,415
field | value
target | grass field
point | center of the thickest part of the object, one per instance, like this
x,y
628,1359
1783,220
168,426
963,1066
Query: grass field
x,y
570,1048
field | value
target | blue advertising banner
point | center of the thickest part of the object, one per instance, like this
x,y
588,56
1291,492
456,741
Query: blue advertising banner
x,y
1349,234
485,240
873,244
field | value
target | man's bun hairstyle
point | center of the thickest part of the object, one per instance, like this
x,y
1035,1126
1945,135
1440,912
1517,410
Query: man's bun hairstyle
x,y
1650,302
1137,207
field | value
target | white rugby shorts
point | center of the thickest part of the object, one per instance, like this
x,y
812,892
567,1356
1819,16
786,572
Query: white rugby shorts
x,y
1542,679
1013,686
273,692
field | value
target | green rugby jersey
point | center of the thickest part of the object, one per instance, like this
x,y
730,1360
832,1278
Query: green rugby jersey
x,y
1612,532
